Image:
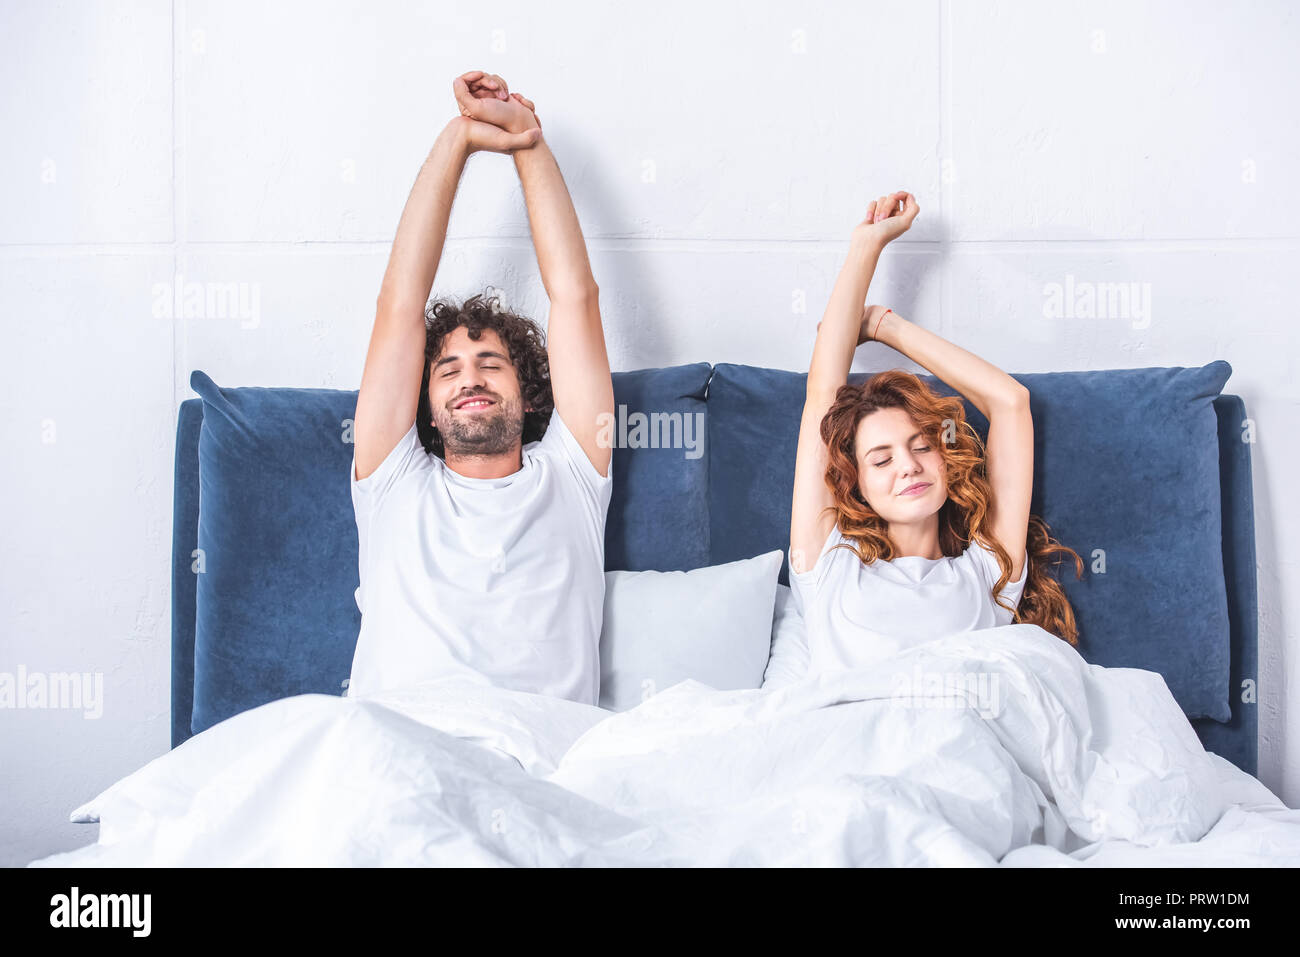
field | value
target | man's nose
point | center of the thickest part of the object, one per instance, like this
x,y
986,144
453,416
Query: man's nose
x,y
472,380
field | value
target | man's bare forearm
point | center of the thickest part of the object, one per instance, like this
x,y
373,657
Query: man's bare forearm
x,y
417,248
557,235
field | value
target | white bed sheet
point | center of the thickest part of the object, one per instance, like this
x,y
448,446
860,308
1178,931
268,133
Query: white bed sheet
x,y
1044,761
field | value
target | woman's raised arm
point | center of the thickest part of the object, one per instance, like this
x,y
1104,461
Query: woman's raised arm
x,y
838,335
1009,459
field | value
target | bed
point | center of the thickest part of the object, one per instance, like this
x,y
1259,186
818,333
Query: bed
x,y
1146,473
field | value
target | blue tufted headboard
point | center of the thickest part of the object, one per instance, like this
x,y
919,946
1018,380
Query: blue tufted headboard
x,y
1145,473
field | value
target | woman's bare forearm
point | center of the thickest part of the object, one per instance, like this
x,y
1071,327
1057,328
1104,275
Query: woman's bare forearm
x,y
837,337
422,229
987,386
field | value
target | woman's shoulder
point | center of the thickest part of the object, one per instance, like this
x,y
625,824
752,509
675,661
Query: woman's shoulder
x,y
985,559
804,572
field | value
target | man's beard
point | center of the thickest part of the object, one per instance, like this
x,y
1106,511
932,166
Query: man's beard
x,y
494,432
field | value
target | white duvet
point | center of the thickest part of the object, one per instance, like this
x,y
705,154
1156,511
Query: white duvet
x,y
1000,746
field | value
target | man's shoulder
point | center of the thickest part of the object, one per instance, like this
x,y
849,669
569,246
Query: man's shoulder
x,y
559,442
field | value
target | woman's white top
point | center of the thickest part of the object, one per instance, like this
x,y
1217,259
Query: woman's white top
x,y
857,614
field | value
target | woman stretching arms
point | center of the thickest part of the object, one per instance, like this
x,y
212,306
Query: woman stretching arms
x,y
904,527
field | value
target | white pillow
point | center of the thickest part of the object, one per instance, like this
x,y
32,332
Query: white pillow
x,y
711,624
789,661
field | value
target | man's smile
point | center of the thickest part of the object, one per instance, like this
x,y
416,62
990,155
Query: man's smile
x,y
473,402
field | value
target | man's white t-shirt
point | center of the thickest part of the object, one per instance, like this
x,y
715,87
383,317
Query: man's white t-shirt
x,y
857,614
498,580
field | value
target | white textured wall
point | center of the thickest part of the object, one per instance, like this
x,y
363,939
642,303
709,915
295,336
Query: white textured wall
x,y
718,155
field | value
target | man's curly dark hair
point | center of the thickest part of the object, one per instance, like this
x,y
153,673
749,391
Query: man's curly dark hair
x,y
525,342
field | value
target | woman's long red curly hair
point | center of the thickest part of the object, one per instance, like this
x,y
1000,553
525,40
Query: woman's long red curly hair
x,y
963,516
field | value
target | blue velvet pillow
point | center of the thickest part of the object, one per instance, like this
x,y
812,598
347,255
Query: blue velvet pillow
x,y
659,510
274,608
1125,461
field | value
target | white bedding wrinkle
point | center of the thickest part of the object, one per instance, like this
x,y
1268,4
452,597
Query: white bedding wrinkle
x,y
1077,765
319,781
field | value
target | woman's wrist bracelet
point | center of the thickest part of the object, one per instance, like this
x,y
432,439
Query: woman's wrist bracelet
x,y
880,322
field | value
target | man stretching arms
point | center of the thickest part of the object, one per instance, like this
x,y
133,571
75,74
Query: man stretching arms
x,y
479,486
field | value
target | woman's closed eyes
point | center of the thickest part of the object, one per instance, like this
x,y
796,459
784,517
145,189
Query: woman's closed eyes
x,y
924,448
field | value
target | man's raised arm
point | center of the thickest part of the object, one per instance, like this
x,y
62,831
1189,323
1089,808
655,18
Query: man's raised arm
x,y
394,369
575,340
